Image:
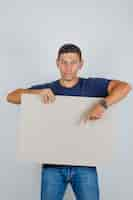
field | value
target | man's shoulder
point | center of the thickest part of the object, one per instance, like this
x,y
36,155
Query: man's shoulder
x,y
43,85
96,79
99,79
98,82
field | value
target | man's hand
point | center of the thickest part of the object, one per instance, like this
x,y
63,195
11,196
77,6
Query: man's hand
x,y
48,95
95,113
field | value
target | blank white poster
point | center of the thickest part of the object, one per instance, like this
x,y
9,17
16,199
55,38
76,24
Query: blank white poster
x,y
55,133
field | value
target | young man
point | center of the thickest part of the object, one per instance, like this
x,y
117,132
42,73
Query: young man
x,y
84,180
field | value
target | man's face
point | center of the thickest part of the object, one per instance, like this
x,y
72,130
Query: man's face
x,y
69,64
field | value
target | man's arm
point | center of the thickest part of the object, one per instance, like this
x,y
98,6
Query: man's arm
x,y
15,96
117,91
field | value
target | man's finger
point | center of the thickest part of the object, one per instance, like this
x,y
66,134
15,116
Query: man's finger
x,y
52,96
94,117
46,98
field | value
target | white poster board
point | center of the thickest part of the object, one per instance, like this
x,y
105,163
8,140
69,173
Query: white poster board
x,y
54,133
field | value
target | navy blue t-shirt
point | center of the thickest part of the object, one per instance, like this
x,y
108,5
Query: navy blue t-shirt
x,y
86,87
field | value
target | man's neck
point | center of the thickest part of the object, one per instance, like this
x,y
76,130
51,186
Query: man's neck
x,y
69,83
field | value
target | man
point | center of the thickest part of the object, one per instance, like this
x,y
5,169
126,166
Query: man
x,y
84,180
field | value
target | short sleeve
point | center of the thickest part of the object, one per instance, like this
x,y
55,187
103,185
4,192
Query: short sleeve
x,y
39,86
100,85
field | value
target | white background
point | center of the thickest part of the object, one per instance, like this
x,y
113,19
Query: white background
x,y
30,34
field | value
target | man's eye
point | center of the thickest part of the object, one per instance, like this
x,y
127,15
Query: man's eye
x,y
74,62
65,63
62,62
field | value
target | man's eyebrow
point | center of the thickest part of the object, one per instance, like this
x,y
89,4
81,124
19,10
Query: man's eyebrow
x,y
66,60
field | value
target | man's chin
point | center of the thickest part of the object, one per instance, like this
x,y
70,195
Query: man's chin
x,y
68,78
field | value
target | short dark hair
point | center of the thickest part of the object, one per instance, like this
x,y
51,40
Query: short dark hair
x,y
69,48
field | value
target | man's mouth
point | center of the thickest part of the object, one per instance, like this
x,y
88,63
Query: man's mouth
x,y
68,74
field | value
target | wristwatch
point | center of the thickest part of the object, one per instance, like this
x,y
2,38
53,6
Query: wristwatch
x,y
103,103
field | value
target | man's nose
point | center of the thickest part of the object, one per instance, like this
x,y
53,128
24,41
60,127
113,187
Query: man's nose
x,y
68,64
69,67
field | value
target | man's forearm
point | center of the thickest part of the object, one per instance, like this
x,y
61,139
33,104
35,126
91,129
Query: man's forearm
x,y
118,93
15,96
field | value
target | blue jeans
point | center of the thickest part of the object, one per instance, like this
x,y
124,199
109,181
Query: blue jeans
x,y
83,179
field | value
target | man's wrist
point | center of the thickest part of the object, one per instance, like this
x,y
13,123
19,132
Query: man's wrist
x,y
104,103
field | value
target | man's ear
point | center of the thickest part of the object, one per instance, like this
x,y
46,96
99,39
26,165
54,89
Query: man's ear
x,y
57,62
81,64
